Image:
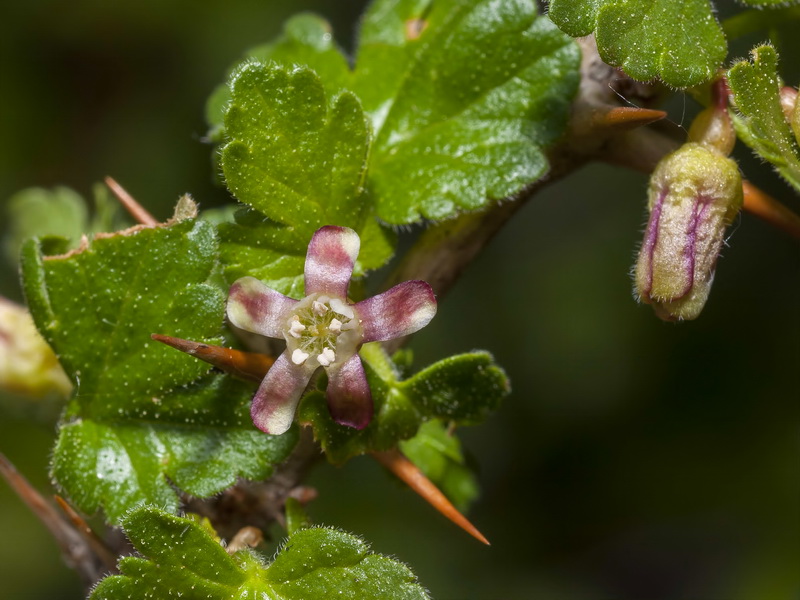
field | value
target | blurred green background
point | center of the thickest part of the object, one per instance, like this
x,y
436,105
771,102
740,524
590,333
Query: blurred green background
x,y
635,459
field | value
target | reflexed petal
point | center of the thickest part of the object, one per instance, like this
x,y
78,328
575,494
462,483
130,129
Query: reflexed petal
x,y
254,307
332,253
349,398
402,310
276,400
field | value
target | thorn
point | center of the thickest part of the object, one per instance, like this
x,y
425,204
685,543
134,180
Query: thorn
x,y
417,481
245,365
623,118
136,210
766,207
75,548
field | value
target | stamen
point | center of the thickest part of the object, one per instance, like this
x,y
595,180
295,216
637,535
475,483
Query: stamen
x,y
327,357
319,308
296,327
335,326
299,357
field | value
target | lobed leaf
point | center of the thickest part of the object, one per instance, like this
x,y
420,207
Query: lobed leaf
x,y
465,96
143,415
182,558
680,43
759,119
463,100
301,163
463,389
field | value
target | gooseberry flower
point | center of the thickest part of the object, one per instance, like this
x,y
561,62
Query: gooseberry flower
x,y
324,330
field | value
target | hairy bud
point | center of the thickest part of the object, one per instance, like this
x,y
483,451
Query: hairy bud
x,y
694,194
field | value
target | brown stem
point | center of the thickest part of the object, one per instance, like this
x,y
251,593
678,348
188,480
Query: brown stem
x,y
259,503
81,549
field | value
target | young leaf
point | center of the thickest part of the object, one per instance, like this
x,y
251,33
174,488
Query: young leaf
x,y
680,43
181,558
306,40
143,412
299,161
463,389
464,98
438,454
760,121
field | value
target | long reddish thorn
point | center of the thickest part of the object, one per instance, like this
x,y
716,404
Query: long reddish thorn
x,y
770,210
416,480
136,210
245,365
623,118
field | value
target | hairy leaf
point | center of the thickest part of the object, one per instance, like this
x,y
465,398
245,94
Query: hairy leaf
x,y
300,161
680,43
465,96
760,121
438,454
463,389
180,557
143,415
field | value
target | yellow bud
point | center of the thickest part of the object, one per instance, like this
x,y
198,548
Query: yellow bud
x,y
27,364
694,194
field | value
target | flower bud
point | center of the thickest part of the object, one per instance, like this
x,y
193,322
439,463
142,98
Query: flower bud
x,y
694,194
713,128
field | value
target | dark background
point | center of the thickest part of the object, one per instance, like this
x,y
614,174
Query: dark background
x,y
635,459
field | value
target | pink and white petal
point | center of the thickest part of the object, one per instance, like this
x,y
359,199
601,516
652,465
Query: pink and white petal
x,y
400,311
332,253
349,397
254,307
276,400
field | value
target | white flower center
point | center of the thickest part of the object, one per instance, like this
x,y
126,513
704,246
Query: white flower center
x,y
322,330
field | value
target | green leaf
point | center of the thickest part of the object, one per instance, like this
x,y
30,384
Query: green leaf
x,y
438,454
680,43
464,111
760,121
144,417
299,161
290,156
306,40
181,558
38,212
57,213
463,389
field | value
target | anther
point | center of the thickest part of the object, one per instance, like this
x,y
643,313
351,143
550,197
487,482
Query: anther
x,y
299,357
327,357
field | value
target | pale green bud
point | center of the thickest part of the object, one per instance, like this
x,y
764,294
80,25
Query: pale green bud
x,y
694,194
